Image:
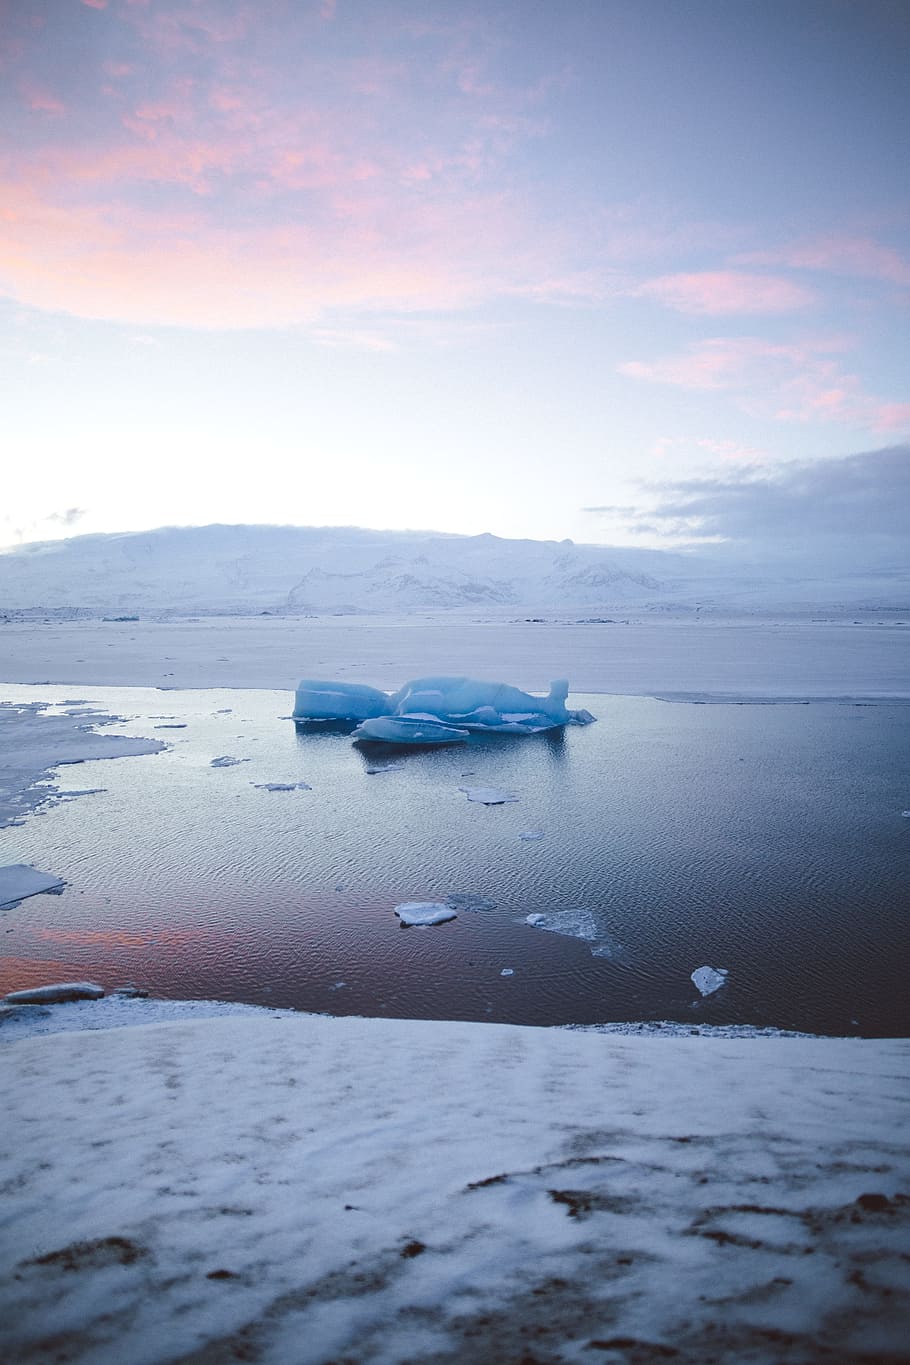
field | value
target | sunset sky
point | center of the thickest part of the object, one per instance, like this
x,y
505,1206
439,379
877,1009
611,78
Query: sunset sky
x,y
527,267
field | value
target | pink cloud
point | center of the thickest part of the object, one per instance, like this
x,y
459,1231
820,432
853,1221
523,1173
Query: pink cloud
x,y
40,99
790,382
840,255
892,417
717,363
263,189
720,292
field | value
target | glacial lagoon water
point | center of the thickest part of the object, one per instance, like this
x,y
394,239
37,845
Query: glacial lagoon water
x,y
765,839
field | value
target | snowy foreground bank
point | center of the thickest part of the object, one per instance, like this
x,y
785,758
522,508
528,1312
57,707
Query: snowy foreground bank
x,y
298,1188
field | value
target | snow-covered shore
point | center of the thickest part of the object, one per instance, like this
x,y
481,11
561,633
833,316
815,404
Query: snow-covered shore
x,y
298,1188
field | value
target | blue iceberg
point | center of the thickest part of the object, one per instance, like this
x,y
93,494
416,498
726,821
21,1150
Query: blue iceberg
x,y
436,710
477,705
317,700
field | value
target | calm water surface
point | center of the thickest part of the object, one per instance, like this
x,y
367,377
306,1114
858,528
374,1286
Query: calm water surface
x,y
765,839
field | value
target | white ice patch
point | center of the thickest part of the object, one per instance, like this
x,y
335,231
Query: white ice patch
x,y
488,796
227,761
709,979
424,912
507,971
34,740
529,835
18,880
56,994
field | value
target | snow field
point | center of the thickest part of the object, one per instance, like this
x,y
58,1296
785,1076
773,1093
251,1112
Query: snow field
x,y
304,1188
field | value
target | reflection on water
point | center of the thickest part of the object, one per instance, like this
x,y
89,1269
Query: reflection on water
x,y
764,839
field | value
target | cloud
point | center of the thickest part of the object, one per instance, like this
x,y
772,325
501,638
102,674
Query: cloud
x,y
40,99
720,292
69,517
801,381
861,257
852,500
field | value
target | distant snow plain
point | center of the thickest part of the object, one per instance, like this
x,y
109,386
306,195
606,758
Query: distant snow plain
x,y
281,1187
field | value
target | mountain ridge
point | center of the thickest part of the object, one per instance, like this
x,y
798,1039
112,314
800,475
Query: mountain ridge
x,y
301,570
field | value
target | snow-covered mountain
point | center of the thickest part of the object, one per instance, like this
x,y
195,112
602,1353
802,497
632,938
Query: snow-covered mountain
x,y
299,570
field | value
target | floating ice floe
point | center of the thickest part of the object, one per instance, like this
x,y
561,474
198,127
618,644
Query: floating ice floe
x,y
507,971
458,703
709,979
424,913
529,835
581,924
19,880
282,786
227,761
488,796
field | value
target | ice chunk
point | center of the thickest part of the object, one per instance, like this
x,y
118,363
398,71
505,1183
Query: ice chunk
x,y
18,880
529,835
709,979
507,971
424,912
458,702
58,994
410,730
582,924
488,796
484,705
467,900
282,786
227,761
316,700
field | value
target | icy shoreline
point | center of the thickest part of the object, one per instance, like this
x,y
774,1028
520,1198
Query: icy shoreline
x,y
755,659
113,1011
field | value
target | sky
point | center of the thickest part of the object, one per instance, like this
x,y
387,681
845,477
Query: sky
x,y
545,268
